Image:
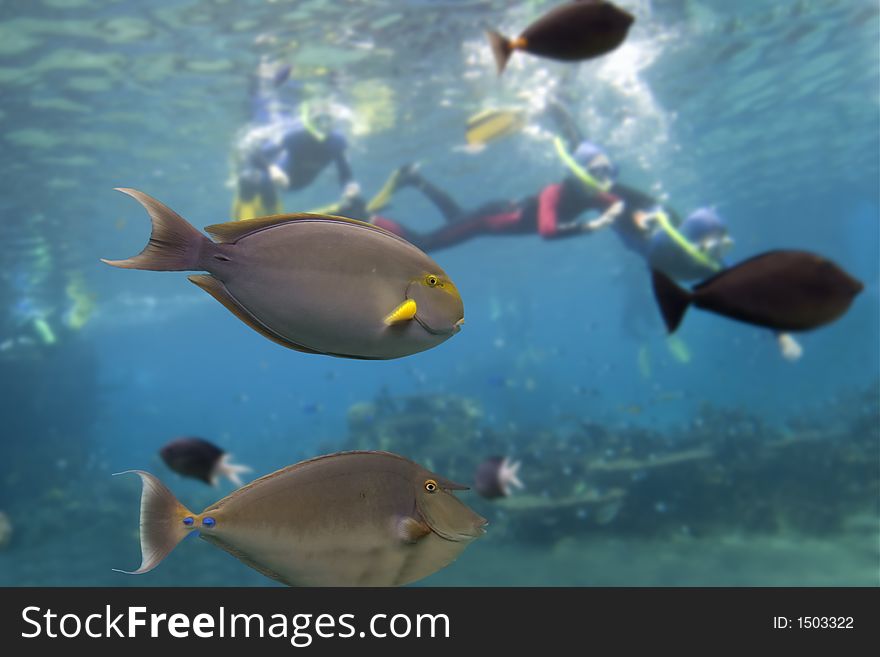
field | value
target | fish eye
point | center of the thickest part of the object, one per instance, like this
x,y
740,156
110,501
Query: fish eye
x,y
431,485
431,280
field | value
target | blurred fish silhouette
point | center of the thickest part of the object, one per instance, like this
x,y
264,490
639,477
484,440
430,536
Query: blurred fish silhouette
x,y
199,459
782,290
570,32
495,476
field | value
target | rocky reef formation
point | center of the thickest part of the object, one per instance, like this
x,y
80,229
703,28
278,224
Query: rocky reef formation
x,y
726,470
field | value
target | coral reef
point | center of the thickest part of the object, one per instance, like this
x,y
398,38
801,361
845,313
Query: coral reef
x,y
725,470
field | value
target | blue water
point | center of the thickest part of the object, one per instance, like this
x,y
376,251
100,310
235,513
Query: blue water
x,y
769,111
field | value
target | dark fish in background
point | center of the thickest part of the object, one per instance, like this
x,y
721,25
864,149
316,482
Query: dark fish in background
x,y
495,476
781,290
345,519
199,459
571,32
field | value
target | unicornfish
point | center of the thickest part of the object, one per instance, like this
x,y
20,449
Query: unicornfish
x,y
344,519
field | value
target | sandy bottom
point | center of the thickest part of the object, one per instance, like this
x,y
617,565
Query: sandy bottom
x,y
849,558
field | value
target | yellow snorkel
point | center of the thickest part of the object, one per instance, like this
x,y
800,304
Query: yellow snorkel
x,y
577,169
304,116
684,243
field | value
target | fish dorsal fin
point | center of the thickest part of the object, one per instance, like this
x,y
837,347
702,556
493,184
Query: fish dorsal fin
x,y
232,231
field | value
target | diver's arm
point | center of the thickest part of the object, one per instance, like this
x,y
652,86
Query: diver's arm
x,y
583,227
550,226
343,168
277,176
350,187
605,219
272,159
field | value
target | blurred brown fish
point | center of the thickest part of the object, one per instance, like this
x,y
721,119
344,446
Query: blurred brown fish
x,y
781,290
200,459
345,519
570,32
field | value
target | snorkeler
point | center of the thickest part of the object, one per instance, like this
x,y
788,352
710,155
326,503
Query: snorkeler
x,y
687,250
281,150
552,213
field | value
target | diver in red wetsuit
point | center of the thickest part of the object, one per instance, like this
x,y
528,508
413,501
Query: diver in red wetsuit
x,y
552,213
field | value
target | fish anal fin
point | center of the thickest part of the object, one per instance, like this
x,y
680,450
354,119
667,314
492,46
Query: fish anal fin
x,y
245,558
216,289
410,530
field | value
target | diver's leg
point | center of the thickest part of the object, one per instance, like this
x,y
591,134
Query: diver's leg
x,y
271,202
256,195
399,229
447,206
408,176
484,221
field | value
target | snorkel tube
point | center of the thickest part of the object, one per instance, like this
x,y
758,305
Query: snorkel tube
x,y
577,169
684,243
307,122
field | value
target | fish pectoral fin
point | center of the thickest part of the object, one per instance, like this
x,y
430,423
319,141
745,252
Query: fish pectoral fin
x,y
403,313
410,530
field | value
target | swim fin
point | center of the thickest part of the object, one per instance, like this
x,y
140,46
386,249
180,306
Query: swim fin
x,y
491,124
254,207
396,180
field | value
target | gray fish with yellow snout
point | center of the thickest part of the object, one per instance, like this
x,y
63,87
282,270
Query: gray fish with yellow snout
x,y
344,519
310,282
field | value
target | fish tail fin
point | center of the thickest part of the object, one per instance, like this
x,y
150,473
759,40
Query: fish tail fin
x,y
672,299
174,244
162,522
226,468
501,49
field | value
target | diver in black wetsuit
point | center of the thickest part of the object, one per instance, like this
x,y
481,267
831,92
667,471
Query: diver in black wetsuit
x,y
280,151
